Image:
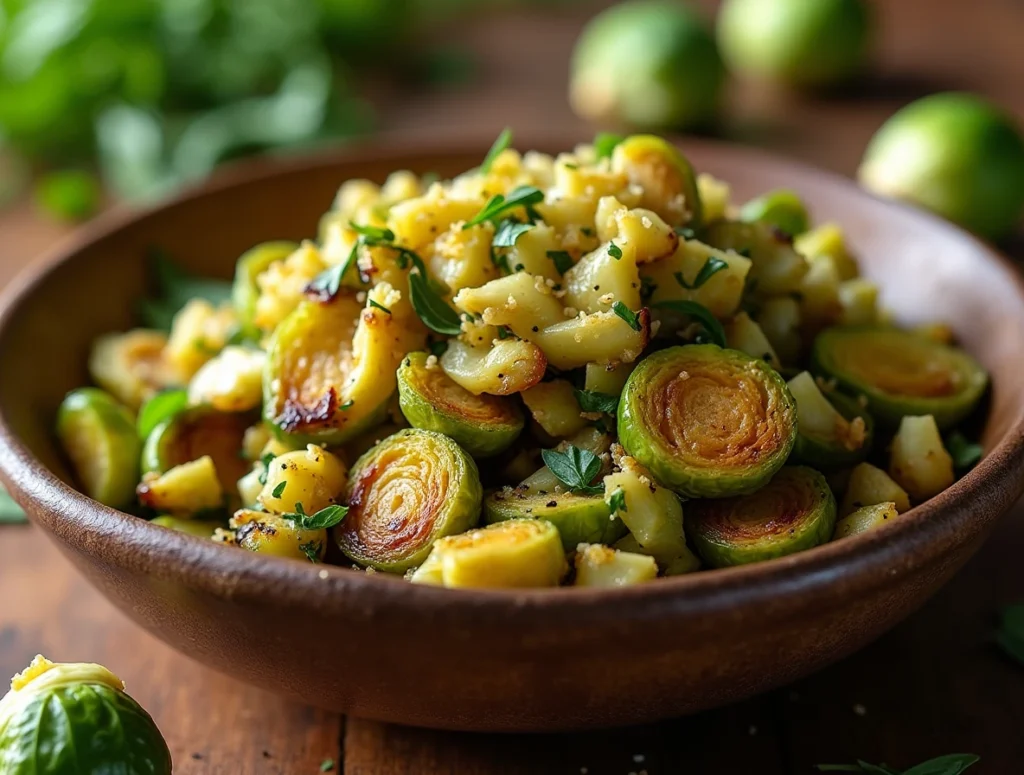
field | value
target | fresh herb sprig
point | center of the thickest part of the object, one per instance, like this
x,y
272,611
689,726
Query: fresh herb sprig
x,y
624,312
503,141
712,327
710,268
434,311
950,764
593,401
327,517
576,468
509,231
498,205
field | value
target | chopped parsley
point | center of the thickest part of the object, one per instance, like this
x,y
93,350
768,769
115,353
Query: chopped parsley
x,y
279,490
628,315
614,251
498,205
593,401
701,314
575,468
509,230
710,268
346,405
325,518
562,260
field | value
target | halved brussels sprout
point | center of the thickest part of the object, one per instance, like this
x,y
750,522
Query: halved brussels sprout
x,y
331,366
834,430
707,422
901,373
602,566
99,436
483,425
263,533
782,208
665,176
515,553
864,519
580,519
193,433
777,267
404,494
194,527
76,718
131,366
793,512
245,292
231,381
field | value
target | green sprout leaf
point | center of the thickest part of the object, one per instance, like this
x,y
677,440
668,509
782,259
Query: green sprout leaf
x,y
627,314
965,454
562,260
503,141
160,407
10,512
701,314
508,232
575,468
435,312
710,268
605,142
498,205
325,518
593,401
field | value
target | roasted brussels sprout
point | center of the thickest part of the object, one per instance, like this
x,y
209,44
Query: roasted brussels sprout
x,y
579,518
900,373
865,518
602,566
245,292
834,430
59,719
331,366
793,512
782,208
231,381
707,422
263,533
98,434
404,494
509,554
483,425
664,175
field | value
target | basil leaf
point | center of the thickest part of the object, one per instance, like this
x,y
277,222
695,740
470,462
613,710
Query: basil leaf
x,y
593,401
710,268
159,408
605,142
562,259
174,289
522,196
965,454
434,311
323,519
508,232
627,314
575,468
701,314
500,144
10,512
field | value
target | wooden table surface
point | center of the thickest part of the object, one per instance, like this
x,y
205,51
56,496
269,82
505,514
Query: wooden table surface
x,y
933,685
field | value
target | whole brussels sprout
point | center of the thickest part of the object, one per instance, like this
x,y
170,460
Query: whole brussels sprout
x,y
651,64
76,718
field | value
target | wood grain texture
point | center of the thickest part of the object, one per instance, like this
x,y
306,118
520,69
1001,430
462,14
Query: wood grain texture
x,y
935,684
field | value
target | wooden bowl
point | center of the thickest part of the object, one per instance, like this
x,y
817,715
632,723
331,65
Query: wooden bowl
x,y
561,659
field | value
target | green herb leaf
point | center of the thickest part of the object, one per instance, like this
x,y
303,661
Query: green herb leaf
x,y
1010,635
279,490
174,289
68,195
434,311
614,251
605,142
10,512
508,232
522,196
593,401
160,407
647,287
627,314
965,454
711,267
701,314
379,306
312,550
325,286
439,348
500,144
617,501
575,468
373,234
950,764
325,518
562,259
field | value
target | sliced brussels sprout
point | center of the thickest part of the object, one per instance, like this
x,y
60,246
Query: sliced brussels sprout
x,y
258,531
509,366
193,433
869,486
782,208
303,480
919,460
901,373
185,490
246,292
793,512
194,527
515,553
554,408
864,519
404,494
580,519
99,436
707,422
331,366
231,381
131,366
76,718
483,425
834,431
602,566
777,267
665,176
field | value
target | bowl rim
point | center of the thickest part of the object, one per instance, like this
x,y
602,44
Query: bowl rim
x,y
833,571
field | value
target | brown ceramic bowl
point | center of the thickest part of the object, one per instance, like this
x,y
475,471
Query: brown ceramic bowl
x,y
381,648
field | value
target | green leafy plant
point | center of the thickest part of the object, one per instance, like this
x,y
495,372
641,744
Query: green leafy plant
x,y
593,401
624,312
327,517
575,468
